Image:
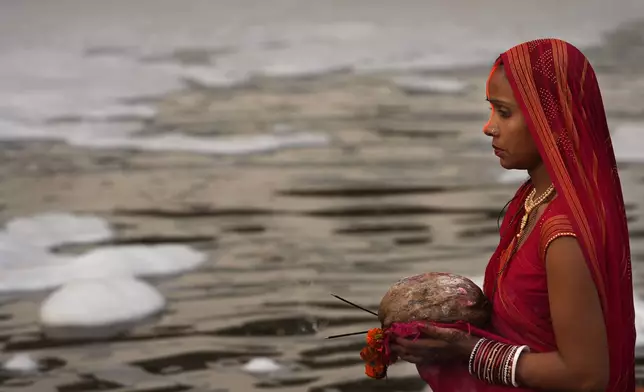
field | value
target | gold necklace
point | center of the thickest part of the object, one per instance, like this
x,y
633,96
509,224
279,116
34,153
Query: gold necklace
x,y
531,203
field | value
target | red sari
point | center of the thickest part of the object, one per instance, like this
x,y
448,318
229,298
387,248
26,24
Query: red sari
x,y
560,99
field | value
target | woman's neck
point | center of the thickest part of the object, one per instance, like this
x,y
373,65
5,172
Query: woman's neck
x,y
540,178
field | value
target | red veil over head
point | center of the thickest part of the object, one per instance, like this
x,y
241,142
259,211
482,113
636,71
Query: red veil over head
x,y
559,96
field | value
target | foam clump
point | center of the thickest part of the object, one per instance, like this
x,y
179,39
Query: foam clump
x,y
628,141
99,308
21,364
261,365
431,85
16,252
102,263
639,320
97,293
55,228
235,145
136,260
28,264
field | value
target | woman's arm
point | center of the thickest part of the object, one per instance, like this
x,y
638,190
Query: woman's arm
x,y
582,363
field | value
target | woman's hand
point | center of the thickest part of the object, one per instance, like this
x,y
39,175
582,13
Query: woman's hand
x,y
435,345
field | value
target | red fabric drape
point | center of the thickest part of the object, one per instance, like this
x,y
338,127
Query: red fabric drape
x,y
559,96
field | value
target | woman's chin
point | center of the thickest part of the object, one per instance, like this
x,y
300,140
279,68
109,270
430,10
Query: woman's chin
x,y
505,164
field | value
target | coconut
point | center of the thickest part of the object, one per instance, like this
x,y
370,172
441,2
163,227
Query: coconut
x,y
435,297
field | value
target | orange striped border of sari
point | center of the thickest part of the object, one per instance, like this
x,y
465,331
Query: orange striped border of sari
x,y
553,228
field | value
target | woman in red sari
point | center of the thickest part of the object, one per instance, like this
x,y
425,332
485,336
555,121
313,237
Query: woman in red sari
x,y
560,280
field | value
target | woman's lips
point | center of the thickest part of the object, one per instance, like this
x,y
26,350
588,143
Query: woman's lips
x,y
497,151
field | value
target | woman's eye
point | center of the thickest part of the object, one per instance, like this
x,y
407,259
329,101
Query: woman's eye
x,y
502,111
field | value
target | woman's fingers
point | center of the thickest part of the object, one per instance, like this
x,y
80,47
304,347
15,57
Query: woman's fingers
x,y
444,334
416,353
396,348
405,354
430,331
420,344
435,345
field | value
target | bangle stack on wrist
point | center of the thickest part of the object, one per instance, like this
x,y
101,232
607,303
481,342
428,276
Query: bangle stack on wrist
x,y
494,362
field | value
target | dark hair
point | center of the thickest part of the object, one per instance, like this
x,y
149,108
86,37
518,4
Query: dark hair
x,y
501,213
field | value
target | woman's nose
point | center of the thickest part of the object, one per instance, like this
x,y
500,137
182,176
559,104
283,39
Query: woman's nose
x,y
490,130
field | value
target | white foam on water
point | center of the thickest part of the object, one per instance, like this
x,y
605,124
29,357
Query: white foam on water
x,y
119,261
73,133
72,85
17,252
123,136
136,260
54,228
213,77
628,142
25,242
21,363
639,320
207,145
99,308
431,85
261,365
97,294
27,264
87,61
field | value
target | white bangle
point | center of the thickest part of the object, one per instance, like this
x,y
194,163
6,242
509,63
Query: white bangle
x,y
515,360
470,366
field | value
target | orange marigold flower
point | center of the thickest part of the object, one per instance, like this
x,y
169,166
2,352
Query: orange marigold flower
x,y
376,372
373,354
368,354
374,336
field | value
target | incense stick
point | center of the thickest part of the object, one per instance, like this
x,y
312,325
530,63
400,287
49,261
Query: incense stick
x,y
347,334
354,305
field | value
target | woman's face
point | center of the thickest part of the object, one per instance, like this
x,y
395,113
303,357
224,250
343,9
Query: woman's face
x,y
511,139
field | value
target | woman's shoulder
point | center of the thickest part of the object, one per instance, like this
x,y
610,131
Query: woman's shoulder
x,y
555,223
